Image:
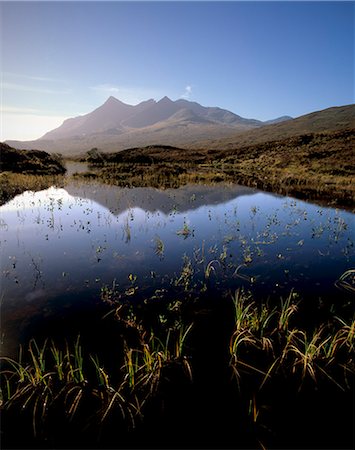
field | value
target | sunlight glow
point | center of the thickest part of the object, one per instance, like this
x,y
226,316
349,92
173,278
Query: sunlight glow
x,y
27,126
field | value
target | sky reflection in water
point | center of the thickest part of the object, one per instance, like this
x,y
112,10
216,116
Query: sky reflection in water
x,y
59,246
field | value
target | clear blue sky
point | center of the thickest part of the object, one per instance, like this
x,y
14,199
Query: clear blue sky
x,y
258,59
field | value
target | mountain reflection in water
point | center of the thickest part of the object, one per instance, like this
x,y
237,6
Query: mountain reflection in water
x,y
189,197
60,246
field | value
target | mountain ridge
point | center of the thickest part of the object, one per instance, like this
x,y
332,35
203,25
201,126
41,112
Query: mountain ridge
x,y
115,126
114,113
118,124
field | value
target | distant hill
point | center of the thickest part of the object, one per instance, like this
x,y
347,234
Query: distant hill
x,y
337,118
116,125
277,120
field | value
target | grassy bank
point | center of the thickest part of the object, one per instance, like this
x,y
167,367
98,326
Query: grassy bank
x,y
311,166
314,166
12,184
23,170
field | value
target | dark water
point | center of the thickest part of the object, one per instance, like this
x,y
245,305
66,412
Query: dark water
x,y
60,246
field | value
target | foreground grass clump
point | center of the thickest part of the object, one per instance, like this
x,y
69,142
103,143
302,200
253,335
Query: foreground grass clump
x,y
54,382
285,350
240,367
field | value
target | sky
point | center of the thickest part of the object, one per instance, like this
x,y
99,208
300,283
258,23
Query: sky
x,y
260,60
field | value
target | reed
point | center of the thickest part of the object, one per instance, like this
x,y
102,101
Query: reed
x,y
210,268
307,351
288,351
346,281
288,309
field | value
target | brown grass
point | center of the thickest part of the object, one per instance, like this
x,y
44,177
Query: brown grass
x,y
12,184
310,166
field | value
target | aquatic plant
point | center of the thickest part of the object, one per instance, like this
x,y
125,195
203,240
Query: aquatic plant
x,y
293,351
211,267
37,383
186,276
185,231
159,247
346,281
52,377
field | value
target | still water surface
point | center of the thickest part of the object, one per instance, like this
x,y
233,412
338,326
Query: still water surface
x,y
60,246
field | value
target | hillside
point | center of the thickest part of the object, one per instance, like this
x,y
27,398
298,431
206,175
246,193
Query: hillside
x,y
29,161
327,120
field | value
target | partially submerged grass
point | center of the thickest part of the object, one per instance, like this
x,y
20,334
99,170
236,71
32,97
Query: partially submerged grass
x,y
185,231
289,350
42,376
267,347
12,184
159,247
48,378
347,281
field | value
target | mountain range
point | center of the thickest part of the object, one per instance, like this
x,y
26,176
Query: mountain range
x,y
116,117
116,125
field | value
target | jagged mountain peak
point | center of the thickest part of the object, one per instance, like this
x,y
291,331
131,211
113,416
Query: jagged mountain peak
x,y
112,99
114,102
115,118
165,100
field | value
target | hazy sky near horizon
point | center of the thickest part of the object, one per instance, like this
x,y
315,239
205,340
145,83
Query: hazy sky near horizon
x,y
258,59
